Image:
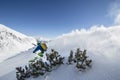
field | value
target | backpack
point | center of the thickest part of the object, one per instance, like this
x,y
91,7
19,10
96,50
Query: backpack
x,y
44,46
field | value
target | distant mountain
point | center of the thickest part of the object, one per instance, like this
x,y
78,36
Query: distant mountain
x,y
13,42
43,39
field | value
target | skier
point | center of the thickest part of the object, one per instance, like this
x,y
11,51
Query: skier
x,y
40,46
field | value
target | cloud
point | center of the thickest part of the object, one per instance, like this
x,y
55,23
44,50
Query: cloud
x,y
98,40
114,11
117,19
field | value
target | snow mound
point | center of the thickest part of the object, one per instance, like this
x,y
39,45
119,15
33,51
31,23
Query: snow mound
x,y
13,42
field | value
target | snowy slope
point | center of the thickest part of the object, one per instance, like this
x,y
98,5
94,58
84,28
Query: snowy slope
x,y
103,47
12,42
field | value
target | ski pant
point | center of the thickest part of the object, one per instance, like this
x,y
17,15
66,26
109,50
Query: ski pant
x,y
38,48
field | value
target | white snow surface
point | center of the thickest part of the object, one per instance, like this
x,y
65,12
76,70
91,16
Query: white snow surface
x,y
103,47
13,42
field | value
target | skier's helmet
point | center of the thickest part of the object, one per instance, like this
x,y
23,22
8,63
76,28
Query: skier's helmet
x,y
38,42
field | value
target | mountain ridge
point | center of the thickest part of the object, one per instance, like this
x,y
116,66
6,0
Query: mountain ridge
x,y
13,42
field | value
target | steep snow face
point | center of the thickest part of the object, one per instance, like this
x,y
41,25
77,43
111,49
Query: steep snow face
x,y
12,42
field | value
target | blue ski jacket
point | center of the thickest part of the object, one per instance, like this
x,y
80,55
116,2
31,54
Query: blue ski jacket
x,y
39,47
